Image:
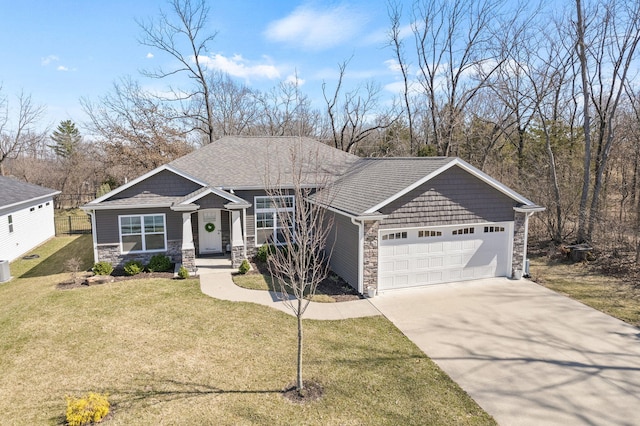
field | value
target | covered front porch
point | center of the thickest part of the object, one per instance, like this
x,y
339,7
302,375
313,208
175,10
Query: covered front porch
x,y
215,225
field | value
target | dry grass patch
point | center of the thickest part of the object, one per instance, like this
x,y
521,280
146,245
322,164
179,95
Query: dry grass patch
x,y
584,283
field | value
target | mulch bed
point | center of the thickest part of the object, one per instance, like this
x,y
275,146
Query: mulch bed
x,y
333,285
312,391
82,280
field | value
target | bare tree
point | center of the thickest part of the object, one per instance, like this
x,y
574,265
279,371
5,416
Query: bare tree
x,y
456,56
135,130
300,262
286,111
233,106
19,133
350,113
183,36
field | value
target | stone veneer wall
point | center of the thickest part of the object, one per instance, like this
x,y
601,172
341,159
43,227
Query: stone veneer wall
x,y
370,270
111,253
517,262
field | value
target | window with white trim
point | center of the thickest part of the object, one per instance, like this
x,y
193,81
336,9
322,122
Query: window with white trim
x,y
463,231
271,226
426,234
493,229
10,219
142,233
395,236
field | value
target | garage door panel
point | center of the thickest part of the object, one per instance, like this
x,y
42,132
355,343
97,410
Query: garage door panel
x,y
447,257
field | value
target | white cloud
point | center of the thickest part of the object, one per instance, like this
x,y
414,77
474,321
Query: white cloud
x,y
46,61
316,29
294,79
392,65
237,66
62,68
149,55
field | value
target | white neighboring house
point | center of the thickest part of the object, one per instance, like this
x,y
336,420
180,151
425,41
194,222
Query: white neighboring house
x,y
26,217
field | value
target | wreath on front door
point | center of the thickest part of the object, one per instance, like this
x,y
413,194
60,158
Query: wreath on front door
x,y
209,227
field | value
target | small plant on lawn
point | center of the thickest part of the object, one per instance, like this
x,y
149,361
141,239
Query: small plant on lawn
x,y
159,263
133,267
183,273
102,268
73,265
91,408
244,267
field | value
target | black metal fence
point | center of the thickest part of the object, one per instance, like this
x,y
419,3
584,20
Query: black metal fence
x,y
71,225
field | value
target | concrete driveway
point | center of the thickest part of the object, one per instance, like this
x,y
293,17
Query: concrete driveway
x,y
527,355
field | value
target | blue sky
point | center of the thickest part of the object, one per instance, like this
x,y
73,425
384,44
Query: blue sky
x,y
62,50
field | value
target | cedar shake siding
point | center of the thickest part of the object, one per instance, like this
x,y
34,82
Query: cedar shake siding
x,y
451,198
164,183
343,239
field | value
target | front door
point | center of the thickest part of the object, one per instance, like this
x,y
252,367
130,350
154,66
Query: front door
x,y
209,235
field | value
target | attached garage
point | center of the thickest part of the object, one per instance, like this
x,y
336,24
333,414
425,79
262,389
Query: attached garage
x,y
425,221
433,255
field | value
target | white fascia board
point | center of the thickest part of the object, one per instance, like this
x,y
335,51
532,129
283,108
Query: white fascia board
x,y
143,177
219,192
29,202
125,206
465,166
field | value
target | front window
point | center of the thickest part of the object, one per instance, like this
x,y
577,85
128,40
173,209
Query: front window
x,y
142,233
10,217
273,218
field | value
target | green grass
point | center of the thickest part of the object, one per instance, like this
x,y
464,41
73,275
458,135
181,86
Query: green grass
x,y
578,281
167,354
53,255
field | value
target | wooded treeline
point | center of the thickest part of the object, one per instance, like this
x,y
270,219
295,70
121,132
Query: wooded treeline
x,y
546,100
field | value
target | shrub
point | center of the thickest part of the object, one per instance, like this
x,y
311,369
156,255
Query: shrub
x,y
244,267
183,273
133,267
102,268
159,263
92,408
264,252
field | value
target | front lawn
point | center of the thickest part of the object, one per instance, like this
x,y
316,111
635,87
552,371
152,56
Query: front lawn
x,y
167,354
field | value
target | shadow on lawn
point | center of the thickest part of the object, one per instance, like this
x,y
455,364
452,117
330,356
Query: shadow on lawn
x,y
155,391
55,263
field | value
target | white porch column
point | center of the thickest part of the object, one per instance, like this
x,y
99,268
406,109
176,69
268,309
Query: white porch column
x,y
236,229
187,232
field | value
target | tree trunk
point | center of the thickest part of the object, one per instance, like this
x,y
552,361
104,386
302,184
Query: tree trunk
x,y
299,384
582,55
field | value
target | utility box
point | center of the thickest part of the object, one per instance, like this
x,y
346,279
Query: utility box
x,y
5,274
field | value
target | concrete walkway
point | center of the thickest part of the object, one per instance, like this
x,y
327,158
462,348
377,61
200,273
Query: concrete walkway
x,y
527,355
215,281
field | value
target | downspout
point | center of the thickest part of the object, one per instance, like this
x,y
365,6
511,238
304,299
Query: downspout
x,y
94,235
360,226
244,233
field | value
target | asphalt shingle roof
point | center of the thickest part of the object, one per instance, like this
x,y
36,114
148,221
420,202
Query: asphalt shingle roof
x,y
373,180
250,162
13,191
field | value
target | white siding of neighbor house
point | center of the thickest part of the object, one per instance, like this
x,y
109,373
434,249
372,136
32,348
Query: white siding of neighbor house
x,y
30,228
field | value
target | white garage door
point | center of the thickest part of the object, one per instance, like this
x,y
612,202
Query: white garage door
x,y
416,257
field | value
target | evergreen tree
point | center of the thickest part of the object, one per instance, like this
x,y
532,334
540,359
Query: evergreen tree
x,y
67,139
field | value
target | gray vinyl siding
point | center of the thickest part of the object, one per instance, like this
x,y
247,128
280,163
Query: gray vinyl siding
x,y
343,237
164,183
107,227
453,197
211,201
